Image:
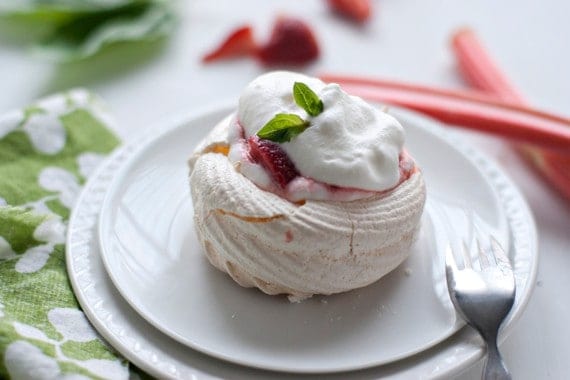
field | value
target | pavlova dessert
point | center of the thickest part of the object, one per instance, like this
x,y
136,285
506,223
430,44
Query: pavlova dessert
x,y
305,189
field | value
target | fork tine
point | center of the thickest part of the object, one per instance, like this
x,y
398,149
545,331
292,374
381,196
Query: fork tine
x,y
466,256
483,257
499,254
450,262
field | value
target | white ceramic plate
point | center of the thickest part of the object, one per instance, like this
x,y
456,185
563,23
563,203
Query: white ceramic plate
x,y
346,317
151,253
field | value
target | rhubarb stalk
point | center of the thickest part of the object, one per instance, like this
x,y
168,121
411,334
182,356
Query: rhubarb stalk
x,y
481,72
475,111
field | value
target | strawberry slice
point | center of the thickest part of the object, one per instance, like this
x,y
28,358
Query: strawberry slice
x,y
273,159
355,10
238,44
292,42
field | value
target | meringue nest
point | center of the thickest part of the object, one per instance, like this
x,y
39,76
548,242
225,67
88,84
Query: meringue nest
x,y
298,249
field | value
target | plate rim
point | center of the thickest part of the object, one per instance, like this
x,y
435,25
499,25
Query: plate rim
x,y
133,149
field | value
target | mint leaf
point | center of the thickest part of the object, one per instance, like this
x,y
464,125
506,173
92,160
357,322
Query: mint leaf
x,y
283,127
307,99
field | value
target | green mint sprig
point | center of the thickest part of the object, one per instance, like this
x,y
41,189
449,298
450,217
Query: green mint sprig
x,y
307,99
285,126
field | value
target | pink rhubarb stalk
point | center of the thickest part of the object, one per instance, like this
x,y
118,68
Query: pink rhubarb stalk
x,y
481,72
474,111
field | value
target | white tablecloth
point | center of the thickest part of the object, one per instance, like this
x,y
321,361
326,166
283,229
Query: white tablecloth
x,y
406,40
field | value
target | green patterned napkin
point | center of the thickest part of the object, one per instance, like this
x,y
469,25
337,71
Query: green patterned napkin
x,y
47,151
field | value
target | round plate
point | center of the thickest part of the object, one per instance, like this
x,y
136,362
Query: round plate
x,y
486,187
152,254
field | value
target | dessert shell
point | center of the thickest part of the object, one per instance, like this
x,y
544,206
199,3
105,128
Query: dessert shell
x,y
299,249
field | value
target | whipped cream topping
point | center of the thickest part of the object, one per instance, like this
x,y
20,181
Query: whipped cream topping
x,y
351,144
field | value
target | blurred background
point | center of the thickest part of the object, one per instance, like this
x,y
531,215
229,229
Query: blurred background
x,y
144,82
146,63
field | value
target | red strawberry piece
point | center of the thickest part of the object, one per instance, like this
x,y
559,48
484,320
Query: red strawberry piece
x,y
273,159
292,42
356,10
239,43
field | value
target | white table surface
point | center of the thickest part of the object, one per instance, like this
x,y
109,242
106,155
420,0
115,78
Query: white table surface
x,y
406,40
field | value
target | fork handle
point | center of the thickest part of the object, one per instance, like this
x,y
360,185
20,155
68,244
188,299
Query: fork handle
x,y
495,368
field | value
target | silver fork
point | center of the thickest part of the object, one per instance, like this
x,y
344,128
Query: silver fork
x,y
483,293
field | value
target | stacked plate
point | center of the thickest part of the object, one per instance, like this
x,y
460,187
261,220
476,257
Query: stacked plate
x,y
142,280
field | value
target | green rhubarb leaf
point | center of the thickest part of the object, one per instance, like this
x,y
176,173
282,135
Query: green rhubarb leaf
x,y
283,127
33,8
58,9
85,35
307,99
